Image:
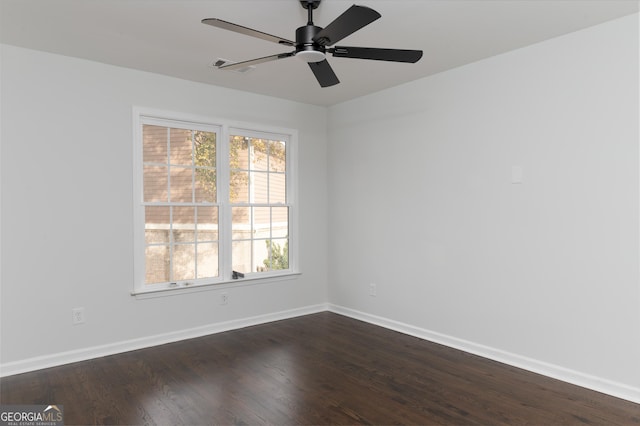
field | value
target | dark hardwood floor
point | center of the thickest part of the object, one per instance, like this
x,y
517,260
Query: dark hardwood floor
x,y
317,369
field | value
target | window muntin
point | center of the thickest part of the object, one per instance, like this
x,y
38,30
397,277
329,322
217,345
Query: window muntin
x,y
208,208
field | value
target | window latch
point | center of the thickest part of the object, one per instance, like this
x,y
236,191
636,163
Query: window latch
x,y
235,275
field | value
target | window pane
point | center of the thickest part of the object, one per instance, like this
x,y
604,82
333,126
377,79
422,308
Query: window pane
x,y
279,222
184,224
157,264
207,223
181,185
276,255
154,144
259,187
239,153
262,222
207,260
180,146
155,183
205,186
277,156
277,188
184,262
259,154
205,161
205,149
239,187
241,223
261,255
241,256
156,224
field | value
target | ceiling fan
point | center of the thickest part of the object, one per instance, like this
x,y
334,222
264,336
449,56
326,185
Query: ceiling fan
x,y
313,43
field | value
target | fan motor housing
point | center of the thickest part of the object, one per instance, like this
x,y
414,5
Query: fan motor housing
x,y
307,49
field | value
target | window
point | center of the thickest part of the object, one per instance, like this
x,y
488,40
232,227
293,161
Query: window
x,y
258,195
210,200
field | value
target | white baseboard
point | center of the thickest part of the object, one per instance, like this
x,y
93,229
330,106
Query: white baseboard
x,y
616,389
619,390
62,358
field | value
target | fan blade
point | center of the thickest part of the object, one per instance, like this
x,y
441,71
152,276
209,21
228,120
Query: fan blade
x,y
219,23
348,23
324,73
394,55
238,65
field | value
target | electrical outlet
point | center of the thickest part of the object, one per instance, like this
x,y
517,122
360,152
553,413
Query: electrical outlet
x,y
224,298
373,290
77,316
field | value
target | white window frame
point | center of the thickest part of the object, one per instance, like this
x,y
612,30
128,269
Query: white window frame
x,y
224,129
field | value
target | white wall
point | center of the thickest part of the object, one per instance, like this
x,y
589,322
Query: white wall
x,y
544,273
67,209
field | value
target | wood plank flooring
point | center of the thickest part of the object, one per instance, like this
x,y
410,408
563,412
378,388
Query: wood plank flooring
x,y
317,369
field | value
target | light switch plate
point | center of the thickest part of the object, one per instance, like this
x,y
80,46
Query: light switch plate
x,y
517,174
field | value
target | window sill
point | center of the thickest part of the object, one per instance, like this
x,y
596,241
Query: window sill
x,y
221,285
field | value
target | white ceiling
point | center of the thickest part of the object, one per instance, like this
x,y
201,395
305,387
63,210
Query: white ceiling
x,y
166,36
